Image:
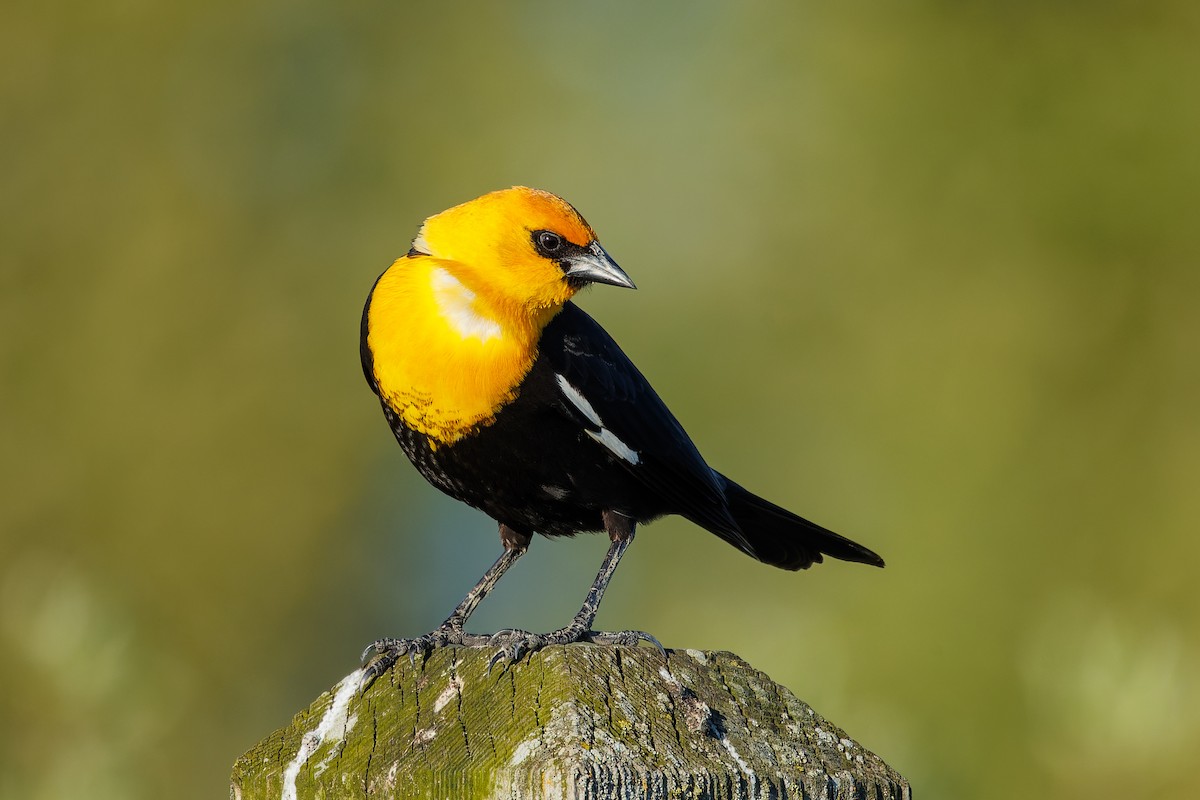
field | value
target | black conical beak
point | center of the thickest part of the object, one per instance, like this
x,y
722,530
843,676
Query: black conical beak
x,y
595,265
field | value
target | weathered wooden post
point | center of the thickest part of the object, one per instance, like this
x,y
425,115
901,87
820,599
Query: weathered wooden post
x,y
580,721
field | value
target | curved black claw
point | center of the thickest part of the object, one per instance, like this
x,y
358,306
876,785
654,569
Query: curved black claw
x,y
379,656
623,639
512,644
391,649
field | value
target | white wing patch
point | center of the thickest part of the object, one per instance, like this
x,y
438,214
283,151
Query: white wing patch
x,y
609,440
455,302
578,400
604,436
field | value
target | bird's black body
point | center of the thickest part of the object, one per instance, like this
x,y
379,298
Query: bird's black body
x,y
546,426
539,467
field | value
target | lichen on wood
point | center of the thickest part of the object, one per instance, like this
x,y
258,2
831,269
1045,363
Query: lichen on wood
x,y
580,721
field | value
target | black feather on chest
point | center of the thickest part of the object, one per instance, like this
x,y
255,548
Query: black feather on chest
x,y
586,433
533,469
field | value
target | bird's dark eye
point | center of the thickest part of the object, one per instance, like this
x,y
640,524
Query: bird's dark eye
x,y
547,242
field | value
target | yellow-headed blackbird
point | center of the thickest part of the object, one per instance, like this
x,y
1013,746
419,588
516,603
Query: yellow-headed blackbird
x,y
508,397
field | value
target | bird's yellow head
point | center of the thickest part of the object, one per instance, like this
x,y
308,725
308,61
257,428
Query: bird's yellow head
x,y
450,330
524,250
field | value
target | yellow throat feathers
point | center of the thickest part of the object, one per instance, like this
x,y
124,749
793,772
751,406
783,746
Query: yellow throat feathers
x,y
448,357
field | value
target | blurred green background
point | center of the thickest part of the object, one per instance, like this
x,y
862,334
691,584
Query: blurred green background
x,y
928,274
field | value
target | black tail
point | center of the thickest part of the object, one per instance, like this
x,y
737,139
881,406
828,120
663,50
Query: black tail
x,y
782,539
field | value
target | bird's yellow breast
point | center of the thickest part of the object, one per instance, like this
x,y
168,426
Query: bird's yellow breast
x,y
445,359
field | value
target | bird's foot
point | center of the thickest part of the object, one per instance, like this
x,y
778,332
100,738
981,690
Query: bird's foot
x,y
381,655
514,643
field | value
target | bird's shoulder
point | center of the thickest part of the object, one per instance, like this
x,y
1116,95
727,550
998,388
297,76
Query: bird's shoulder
x,y
576,347
591,380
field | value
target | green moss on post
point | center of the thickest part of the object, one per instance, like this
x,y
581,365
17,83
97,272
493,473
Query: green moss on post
x,y
579,721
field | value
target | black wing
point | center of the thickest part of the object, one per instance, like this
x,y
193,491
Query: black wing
x,y
574,346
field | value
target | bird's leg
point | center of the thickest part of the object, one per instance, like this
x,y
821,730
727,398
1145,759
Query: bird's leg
x,y
513,644
383,653
515,545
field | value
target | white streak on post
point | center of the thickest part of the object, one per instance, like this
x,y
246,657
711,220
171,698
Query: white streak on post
x,y
736,757
332,729
452,691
